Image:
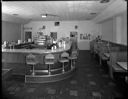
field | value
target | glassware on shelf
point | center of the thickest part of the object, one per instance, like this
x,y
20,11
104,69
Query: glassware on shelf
x,y
13,44
55,47
3,46
29,40
10,46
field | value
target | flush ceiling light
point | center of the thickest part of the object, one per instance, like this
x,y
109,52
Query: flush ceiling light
x,y
43,16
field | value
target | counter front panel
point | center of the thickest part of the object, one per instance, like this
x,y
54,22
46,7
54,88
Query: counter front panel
x,y
16,58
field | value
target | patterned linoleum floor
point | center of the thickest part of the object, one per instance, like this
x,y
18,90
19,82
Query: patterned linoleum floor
x,y
90,81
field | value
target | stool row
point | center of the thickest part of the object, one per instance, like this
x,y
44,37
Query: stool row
x,y
49,60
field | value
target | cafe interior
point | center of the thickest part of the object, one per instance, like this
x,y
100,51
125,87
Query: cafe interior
x,y
64,49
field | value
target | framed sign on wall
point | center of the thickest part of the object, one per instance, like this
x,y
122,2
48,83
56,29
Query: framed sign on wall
x,y
76,27
85,36
57,23
43,27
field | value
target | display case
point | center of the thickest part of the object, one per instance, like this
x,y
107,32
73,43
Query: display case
x,y
41,40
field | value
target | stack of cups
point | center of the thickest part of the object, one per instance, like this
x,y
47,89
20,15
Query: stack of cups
x,y
64,44
29,40
19,41
52,48
59,44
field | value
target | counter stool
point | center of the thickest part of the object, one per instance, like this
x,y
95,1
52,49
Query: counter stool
x,y
73,57
49,60
64,59
31,60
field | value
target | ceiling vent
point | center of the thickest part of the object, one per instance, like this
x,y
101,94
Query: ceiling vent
x,y
15,14
104,1
93,13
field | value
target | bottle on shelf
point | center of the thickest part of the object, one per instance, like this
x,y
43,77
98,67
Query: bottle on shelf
x,y
19,41
29,40
64,44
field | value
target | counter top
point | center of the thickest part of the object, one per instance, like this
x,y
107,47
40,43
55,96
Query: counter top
x,y
38,51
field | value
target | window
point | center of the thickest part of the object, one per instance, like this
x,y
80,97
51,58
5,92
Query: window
x,y
57,23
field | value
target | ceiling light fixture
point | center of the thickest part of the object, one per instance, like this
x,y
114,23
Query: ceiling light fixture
x,y
15,14
104,1
93,13
43,16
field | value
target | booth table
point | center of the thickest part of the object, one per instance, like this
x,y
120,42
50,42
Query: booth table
x,y
123,65
107,55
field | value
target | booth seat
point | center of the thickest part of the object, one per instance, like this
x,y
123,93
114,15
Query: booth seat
x,y
106,49
92,46
103,49
100,48
112,63
97,47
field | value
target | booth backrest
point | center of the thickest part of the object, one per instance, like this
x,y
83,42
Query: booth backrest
x,y
114,49
118,57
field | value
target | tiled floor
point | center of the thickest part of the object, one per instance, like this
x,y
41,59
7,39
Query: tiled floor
x,y
90,81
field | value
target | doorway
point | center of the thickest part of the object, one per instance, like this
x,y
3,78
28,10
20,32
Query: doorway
x,y
74,35
74,38
28,35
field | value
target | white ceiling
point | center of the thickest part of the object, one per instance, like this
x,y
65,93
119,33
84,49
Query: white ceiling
x,y
66,10
116,8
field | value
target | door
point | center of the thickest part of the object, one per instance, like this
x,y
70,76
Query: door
x,y
28,35
74,38
74,35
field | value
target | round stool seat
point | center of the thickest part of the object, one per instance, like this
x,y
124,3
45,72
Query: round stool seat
x,y
47,63
63,60
31,60
49,60
72,57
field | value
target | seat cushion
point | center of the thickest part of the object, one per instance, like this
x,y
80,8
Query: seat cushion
x,y
73,57
104,58
63,60
31,63
116,68
49,63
